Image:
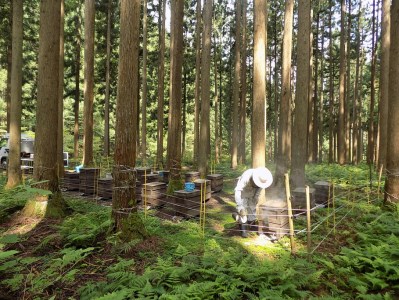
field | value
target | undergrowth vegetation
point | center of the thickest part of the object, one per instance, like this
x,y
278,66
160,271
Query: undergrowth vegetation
x,y
79,258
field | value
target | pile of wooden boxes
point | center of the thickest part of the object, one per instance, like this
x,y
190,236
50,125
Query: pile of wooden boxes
x,y
71,181
299,198
153,194
88,180
105,186
216,182
274,218
323,192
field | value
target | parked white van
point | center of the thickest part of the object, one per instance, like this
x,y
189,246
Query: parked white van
x,y
27,148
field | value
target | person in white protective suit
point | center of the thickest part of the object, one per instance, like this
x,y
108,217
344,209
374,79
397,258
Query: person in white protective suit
x,y
247,192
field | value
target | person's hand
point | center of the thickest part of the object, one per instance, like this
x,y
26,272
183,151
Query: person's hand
x,y
243,214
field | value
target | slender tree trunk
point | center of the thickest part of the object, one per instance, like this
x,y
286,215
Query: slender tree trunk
x,y
361,142
89,82
144,91
77,86
299,132
204,150
392,169
124,203
14,158
217,124
107,80
161,82
316,116
184,108
174,118
198,30
60,137
347,90
342,72
236,88
321,93
384,79
284,136
243,95
9,67
259,86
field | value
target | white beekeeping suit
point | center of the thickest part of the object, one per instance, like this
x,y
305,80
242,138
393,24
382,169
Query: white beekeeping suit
x,y
247,192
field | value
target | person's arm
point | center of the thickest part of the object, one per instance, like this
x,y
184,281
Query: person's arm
x,y
238,199
257,195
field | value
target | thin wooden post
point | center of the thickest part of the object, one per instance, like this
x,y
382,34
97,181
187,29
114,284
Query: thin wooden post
x,y
289,207
145,193
333,206
308,221
379,182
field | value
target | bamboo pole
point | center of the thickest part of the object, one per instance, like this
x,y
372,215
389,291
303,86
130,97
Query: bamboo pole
x,y
309,241
145,193
333,206
289,206
379,182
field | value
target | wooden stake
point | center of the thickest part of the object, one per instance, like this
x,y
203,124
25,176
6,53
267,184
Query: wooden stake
x,y
308,220
290,220
145,193
333,206
379,182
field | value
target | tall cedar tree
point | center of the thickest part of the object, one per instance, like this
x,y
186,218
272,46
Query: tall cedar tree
x,y
124,203
107,80
299,131
198,31
284,135
175,109
60,136
243,80
259,86
14,159
77,84
205,135
384,79
89,82
144,90
392,178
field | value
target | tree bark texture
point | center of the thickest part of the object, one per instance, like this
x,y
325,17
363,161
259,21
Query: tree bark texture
x,y
243,80
60,136
299,131
89,20
45,163
144,90
392,169
107,80
14,158
284,135
77,87
259,86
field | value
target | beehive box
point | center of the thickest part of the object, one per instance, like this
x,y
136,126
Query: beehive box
x,y
147,178
322,192
138,191
204,184
71,181
154,193
164,176
88,180
299,198
105,186
187,204
142,171
274,215
216,182
191,176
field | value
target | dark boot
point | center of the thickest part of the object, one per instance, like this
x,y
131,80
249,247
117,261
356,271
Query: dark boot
x,y
243,229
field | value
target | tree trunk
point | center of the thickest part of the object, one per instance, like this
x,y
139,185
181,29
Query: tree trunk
x,y
184,103
60,136
258,133
107,80
77,87
204,150
392,169
356,106
217,72
9,67
236,88
342,72
161,83
45,163
316,116
14,158
174,118
243,94
284,136
89,82
384,79
321,93
347,90
299,131
124,203
144,91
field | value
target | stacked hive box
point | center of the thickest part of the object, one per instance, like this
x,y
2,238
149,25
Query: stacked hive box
x,y
299,198
144,176
274,213
187,204
71,181
192,176
154,193
105,186
322,192
216,182
163,176
201,184
88,180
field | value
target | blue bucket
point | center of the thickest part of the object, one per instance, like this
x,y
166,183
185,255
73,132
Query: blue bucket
x,y
189,186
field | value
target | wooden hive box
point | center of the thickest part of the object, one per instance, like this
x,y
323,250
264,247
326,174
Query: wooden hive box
x,y
138,191
205,183
216,182
322,192
88,180
152,177
163,176
71,181
274,213
105,186
187,204
142,171
299,198
191,176
154,193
